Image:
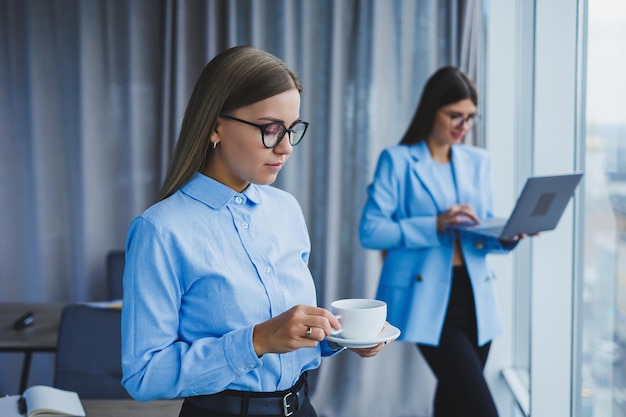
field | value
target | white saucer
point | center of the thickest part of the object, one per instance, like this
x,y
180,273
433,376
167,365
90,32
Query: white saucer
x,y
388,333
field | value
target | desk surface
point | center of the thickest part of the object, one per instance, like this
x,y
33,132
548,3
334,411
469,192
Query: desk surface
x,y
41,336
132,408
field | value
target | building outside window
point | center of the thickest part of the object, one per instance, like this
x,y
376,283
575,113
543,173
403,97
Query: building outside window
x,y
603,326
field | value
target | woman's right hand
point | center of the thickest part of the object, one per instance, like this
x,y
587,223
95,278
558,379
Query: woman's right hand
x,y
457,214
290,330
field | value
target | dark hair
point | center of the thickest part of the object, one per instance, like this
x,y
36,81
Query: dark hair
x,y
447,85
235,78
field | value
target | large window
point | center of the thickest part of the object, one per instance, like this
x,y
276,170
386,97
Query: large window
x,y
603,307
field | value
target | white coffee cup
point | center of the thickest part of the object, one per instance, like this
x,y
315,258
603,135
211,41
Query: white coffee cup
x,y
360,318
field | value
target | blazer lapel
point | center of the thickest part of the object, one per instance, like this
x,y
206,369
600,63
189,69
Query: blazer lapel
x,y
424,169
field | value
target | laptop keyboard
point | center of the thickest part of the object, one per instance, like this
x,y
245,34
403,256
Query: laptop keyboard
x,y
493,231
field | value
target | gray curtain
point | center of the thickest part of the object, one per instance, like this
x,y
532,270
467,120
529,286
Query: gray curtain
x,y
92,93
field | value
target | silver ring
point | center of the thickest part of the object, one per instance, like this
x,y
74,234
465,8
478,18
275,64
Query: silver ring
x,y
308,332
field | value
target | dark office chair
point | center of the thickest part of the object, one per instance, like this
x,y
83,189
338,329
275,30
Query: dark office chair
x,y
88,358
115,273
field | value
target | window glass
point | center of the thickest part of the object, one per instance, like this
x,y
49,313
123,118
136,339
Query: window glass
x,y
603,339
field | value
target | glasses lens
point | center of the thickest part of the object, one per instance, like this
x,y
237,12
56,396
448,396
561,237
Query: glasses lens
x,y
459,120
272,134
297,132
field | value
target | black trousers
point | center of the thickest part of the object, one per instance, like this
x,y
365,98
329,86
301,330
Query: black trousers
x,y
190,410
458,361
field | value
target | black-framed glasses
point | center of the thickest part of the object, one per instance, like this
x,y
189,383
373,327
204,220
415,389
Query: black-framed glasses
x,y
457,119
273,133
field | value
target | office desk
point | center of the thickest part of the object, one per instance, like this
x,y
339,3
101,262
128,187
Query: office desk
x,y
132,408
41,336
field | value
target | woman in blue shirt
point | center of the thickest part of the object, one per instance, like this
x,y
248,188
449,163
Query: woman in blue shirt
x,y
219,304
435,280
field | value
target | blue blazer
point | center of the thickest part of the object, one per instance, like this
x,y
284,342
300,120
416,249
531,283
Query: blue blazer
x,y
399,216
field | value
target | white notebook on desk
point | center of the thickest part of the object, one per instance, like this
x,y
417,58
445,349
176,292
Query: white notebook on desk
x,y
42,401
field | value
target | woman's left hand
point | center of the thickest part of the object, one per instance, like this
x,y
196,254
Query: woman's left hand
x,y
369,352
518,237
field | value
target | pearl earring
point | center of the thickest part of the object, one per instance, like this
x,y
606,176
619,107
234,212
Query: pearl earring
x,y
214,145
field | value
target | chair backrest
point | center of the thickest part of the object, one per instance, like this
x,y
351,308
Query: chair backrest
x,y
115,273
89,352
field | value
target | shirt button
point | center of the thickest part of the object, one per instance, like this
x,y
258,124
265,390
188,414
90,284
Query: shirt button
x,y
238,200
268,269
244,225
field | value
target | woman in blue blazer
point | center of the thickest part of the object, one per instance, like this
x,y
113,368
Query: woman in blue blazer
x,y
435,279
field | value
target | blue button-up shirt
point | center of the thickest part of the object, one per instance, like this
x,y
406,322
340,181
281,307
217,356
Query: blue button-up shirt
x,y
202,268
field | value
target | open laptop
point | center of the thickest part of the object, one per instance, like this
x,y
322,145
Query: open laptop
x,y
539,208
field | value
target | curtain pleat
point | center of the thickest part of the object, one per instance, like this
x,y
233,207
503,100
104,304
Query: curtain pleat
x,y
92,95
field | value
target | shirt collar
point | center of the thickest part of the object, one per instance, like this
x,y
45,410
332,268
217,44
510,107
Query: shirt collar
x,y
215,194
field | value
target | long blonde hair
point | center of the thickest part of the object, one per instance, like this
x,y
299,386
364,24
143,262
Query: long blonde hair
x,y
235,78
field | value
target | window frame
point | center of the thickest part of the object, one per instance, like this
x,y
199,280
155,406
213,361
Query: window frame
x,y
544,104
